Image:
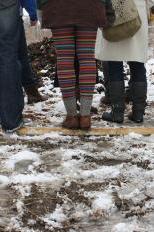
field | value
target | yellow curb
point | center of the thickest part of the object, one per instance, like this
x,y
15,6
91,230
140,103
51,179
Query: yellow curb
x,y
32,131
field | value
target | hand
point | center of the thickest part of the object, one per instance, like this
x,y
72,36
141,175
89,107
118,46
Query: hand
x,y
33,23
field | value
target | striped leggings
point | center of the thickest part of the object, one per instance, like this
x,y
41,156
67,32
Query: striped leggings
x,y
75,43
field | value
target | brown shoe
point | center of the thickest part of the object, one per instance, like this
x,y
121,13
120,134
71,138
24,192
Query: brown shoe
x,y
85,122
71,122
33,95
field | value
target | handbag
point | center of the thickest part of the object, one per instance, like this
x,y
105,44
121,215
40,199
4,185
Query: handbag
x,y
127,21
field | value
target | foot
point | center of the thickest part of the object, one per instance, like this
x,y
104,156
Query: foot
x,y
85,122
71,122
10,131
110,117
136,116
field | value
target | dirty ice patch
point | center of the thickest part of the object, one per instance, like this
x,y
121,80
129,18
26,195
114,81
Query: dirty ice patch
x,y
24,190
33,178
105,172
133,135
136,196
3,149
52,137
68,154
71,169
21,156
150,190
55,219
6,149
4,180
103,201
126,227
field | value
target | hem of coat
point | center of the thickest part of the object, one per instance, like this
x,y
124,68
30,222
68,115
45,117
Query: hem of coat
x,y
124,60
51,26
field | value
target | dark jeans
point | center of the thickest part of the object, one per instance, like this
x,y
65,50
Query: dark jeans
x,y
137,71
11,96
27,75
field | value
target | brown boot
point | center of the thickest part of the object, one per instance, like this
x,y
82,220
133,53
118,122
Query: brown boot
x,y
33,95
85,122
71,122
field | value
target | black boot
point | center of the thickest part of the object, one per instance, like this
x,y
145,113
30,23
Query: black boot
x,y
33,95
117,103
139,91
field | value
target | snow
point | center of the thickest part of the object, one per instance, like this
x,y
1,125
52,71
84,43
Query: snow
x,y
33,178
56,218
135,135
85,183
3,149
103,201
125,227
21,156
69,165
4,180
102,173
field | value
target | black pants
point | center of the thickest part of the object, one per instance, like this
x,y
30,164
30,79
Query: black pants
x,y
137,71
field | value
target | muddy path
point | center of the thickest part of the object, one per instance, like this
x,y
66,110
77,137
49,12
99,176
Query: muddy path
x,y
62,183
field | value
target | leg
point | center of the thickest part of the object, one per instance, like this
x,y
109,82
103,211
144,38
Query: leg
x,y
116,89
11,96
65,47
85,46
106,100
27,75
139,91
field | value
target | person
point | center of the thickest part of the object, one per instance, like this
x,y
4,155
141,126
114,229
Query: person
x,y
74,27
105,100
11,95
133,51
29,80
94,110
